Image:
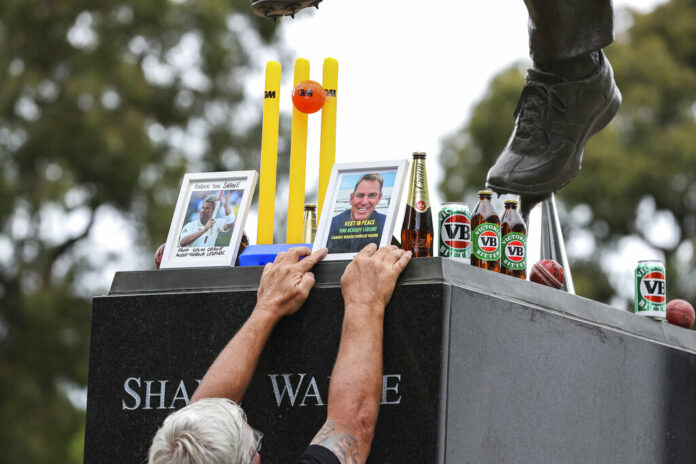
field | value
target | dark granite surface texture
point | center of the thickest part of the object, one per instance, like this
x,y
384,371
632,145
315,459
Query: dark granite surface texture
x,y
141,341
478,367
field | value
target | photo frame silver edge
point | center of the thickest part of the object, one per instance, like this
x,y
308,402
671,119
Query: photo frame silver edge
x,y
251,178
401,167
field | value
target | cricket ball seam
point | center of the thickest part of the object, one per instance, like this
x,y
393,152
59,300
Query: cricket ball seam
x,y
545,275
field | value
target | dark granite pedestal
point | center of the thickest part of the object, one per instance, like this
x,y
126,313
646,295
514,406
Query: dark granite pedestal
x,y
478,367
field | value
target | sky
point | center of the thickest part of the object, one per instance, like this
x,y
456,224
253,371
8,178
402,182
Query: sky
x,y
410,73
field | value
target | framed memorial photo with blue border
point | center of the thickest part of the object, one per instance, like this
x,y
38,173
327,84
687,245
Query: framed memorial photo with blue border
x,y
209,219
360,207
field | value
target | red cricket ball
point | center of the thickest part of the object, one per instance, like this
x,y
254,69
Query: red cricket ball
x,y
308,97
547,272
158,256
681,313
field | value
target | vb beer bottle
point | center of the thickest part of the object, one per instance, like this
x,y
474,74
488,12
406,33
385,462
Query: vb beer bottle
x,y
417,229
513,261
485,224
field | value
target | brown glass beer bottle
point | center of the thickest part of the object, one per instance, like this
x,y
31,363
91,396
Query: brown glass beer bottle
x,y
417,229
513,259
485,236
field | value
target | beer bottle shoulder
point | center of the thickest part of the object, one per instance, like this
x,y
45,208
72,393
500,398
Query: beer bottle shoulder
x,y
514,221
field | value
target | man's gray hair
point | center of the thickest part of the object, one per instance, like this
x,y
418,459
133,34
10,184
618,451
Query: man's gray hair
x,y
373,177
210,199
211,430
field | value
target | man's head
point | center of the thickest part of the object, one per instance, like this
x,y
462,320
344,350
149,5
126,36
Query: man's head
x,y
211,430
207,209
365,197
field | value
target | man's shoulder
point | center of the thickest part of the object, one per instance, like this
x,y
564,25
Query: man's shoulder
x,y
191,224
337,219
343,214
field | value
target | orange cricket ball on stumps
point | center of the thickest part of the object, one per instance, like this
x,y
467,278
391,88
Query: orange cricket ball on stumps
x,y
308,97
681,313
547,272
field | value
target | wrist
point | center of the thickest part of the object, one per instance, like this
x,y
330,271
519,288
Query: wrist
x,y
370,308
268,311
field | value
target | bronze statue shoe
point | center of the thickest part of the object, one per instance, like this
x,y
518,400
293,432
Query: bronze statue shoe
x,y
555,118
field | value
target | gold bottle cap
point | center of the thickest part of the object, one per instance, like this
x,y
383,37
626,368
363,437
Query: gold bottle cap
x,y
510,202
419,155
310,206
485,192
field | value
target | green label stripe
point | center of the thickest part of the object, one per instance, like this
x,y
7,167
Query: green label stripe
x,y
512,251
479,239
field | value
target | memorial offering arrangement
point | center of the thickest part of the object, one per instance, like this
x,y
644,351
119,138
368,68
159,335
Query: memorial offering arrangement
x,y
209,218
417,233
308,97
360,207
455,231
513,259
485,225
361,202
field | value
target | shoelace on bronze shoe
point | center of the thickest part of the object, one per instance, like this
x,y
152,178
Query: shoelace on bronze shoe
x,y
532,105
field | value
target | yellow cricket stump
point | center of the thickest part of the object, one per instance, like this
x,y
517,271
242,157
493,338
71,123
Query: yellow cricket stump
x,y
298,161
327,151
269,154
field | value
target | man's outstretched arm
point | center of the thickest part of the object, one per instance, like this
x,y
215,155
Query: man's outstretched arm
x,y
284,287
356,382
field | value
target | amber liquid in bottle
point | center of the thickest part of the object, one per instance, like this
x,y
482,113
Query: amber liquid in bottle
x,y
486,240
513,259
417,229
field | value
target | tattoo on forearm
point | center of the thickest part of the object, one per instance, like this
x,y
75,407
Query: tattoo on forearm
x,y
343,445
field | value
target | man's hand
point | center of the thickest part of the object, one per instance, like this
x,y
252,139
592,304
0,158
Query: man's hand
x,y
370,278
285,284
209,225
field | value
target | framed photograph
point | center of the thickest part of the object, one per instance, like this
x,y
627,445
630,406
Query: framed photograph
x,y
360,207
209,219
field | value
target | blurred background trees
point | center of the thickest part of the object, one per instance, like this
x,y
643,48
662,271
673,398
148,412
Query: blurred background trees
x,y
103,106
636,194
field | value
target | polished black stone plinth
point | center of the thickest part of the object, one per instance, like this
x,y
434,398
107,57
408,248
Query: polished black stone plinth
x,y
478,367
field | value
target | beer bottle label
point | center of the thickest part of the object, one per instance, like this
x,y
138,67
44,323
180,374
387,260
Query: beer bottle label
x,y
418,195
514,251
486,238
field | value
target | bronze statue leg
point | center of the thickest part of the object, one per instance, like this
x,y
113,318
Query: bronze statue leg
x,y
569,95
561,29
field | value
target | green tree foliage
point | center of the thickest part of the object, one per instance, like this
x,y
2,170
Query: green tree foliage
x,y
103,106
641,167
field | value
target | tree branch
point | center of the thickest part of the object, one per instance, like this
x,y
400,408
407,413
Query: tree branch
x,y
57,251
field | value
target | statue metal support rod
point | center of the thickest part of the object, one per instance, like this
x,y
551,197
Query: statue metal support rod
x,y
544,235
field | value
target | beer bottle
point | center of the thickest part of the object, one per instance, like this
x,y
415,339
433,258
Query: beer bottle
x,y
309,230
417,229
513,261
485,226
